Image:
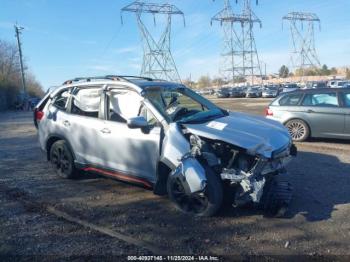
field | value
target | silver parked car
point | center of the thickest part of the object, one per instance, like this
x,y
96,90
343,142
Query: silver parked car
x,y
253,92
270,91
165,137
313,113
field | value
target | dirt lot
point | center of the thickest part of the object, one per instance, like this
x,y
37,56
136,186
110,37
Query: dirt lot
x,y
43,215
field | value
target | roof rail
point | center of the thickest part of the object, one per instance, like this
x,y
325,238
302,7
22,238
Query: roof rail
x,y
127,78
107,77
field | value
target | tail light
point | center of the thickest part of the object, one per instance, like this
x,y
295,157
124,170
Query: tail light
x,y
268,111
39,115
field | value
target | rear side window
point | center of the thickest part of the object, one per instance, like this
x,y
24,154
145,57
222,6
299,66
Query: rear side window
x,y
61,100
321,100
290,100
347,100
86,102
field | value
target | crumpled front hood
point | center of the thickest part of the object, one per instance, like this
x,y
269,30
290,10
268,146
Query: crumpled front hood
x,y
256,134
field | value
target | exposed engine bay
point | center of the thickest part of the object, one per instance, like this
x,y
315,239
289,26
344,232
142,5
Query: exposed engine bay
x,y
244,176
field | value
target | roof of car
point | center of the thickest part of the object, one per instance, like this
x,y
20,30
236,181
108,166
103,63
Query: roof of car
x,y
139,83
316,90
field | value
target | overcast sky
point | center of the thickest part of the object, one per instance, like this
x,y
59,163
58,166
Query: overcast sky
x,y
64,38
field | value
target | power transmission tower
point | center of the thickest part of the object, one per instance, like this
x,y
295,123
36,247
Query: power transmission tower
x,y
158,61
304,53
18,30
240,58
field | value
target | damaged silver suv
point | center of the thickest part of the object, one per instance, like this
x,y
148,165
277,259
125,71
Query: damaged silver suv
x,y
165,137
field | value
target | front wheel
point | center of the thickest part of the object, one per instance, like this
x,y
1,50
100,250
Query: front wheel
x,y
205,203
298,130
62,159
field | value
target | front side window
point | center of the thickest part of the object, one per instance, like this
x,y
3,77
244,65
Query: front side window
x,y
290,100
321,100
183,105
123,104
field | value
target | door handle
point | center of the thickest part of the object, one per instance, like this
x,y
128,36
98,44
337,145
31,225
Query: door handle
x,y
310,111
105,131
66,123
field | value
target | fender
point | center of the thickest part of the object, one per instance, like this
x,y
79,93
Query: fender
x,y
191,174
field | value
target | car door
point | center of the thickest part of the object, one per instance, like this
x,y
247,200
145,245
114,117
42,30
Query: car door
x,y
323,114
131,151
346,101
84,125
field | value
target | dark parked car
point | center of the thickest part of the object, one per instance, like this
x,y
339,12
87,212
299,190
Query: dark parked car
x,y
237,92
223,93
316,85
290,88
270,91
253,92
313,112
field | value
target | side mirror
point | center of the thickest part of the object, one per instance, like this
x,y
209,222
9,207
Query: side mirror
x,y
137,122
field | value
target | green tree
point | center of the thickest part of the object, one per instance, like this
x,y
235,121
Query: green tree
x,y
240,79
204,81
218,81
188,82
347,73
283,72
334,71
10,75
325,71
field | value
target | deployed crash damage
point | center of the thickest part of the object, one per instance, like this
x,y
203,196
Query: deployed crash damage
x,y
220,156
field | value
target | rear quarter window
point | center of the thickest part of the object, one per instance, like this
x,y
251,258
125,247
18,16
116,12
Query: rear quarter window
x,y
347,99
60,101
290,100
321,100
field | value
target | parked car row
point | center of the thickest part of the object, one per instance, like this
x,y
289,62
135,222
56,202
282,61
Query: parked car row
x,y
271,91
250,91
338,84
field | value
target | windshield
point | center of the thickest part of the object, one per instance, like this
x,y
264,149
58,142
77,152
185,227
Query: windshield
x,y
183,105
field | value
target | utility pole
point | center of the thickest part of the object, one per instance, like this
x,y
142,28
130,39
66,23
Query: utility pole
x,y
18,30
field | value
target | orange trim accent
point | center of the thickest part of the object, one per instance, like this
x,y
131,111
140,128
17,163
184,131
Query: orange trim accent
x,y
118,175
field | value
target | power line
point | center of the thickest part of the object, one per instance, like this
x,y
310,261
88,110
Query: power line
x,y
239,56
158,61
304,53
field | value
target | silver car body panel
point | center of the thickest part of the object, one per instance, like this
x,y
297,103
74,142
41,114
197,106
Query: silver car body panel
x,y
175,146
194,174
255,134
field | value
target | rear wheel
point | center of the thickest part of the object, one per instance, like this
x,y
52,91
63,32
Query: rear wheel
x,y
205,203
298,130
62,160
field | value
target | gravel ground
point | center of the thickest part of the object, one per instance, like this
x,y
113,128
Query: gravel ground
x,y
112,218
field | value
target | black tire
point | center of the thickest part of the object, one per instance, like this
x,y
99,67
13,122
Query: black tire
x,y
62,161
202,204
276,197
298,130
